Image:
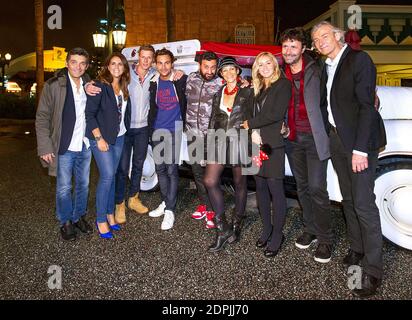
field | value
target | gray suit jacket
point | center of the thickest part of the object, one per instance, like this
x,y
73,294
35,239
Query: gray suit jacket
x,y
313,73
49,117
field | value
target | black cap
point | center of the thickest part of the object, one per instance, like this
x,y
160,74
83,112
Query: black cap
x,y
228,61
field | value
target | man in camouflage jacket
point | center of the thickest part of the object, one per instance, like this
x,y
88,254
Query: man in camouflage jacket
x,y
201,86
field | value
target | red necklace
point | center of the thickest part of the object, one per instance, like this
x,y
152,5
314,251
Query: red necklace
x,y
229,93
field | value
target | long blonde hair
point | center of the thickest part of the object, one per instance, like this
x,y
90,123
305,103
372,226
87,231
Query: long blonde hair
x,y
258,81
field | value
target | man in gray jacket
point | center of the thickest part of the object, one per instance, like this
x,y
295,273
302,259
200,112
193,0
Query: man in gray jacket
x,y
308,144
61,144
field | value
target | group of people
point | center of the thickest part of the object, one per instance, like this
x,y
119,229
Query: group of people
x,y
308,110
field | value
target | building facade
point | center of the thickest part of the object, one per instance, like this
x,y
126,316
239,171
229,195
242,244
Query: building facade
x,y
158,21
385,32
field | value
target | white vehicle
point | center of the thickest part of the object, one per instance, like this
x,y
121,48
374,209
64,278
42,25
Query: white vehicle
x,y
393,184
13,87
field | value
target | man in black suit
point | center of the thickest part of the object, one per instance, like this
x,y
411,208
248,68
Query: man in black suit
x,y
356,135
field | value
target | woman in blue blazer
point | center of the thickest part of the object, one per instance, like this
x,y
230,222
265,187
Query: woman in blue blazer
x,y
108,118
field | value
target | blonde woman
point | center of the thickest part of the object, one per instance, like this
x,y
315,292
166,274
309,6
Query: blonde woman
x,y
271,98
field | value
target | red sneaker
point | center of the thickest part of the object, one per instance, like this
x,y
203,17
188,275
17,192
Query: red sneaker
x,y
200,212
210,223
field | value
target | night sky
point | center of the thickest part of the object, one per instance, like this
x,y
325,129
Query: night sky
x,y
17,34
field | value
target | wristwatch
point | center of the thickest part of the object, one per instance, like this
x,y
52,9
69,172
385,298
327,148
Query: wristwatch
x,y
98,138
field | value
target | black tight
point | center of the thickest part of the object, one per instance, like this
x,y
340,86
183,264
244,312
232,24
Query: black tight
x,y
212,183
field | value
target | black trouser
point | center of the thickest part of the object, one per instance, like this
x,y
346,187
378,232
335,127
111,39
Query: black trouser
x,y
136,139
167,169
273,212
198,175
362,215
310,176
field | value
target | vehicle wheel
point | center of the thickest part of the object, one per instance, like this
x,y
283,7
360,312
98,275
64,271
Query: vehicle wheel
x,y
149,180
393,189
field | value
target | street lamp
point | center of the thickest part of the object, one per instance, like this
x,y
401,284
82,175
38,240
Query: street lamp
x,y
99,37
119,35
112,29
4,61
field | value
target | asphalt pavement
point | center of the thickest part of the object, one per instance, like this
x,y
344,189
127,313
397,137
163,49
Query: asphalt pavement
x,y
143,262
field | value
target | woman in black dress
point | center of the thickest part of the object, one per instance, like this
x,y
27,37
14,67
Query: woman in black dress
x,y
272,93
225,148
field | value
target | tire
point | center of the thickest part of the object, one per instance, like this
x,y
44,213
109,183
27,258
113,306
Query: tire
x,y
149,181
393,190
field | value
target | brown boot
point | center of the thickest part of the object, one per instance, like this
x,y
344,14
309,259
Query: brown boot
x,y
135,204
120,213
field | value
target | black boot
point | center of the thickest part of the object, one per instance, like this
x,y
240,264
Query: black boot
x,y
223,233
237,228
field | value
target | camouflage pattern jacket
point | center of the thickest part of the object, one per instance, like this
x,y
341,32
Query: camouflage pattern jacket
x,y
199,94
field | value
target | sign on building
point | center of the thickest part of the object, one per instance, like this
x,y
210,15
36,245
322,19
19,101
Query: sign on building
x,y
245,34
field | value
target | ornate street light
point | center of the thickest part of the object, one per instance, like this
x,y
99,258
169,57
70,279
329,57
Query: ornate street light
x,y
119,34
114,24
4,61
100,36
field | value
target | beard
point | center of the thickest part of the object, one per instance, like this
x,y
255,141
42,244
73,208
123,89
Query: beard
x,y
207,76
292,59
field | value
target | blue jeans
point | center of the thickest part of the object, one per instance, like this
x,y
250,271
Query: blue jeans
x,y
138,140
168,174
69,164
107,163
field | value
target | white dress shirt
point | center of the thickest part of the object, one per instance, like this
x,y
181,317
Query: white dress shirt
x,y
80,98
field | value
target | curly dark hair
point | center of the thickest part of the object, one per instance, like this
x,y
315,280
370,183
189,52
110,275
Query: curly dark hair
x,y
297,34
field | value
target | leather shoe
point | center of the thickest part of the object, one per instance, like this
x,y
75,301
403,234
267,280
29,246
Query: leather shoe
x,y
261,244
272,253
67,231
352,258
368,286
83,226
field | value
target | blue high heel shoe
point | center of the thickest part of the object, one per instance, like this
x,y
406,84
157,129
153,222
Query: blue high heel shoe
x,y
107,235
115,227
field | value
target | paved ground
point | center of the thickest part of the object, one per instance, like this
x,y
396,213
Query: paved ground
x,y
144,262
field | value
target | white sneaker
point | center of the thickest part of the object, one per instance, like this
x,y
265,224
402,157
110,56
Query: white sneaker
x,y
159,211
168,220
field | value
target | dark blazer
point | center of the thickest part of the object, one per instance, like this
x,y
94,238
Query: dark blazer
x,y
272,113
352,97
68,114
180,86
101,112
